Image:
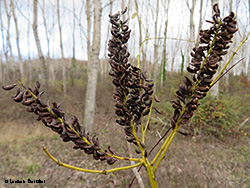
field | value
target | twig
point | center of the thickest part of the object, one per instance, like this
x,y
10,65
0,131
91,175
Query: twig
x,y
212,84
242,124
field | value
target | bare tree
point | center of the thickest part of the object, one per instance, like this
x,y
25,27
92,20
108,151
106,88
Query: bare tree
x,y
51,64
46,28
9,47
140,29
39,50
72,70
164,53
3,45
28,43
7,11
191,21
156,45
123,6
93,62
103,64
17,40
61,47
88,12
106,42
200,22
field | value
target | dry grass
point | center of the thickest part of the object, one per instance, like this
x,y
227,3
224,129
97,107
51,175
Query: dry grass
x,y
207,163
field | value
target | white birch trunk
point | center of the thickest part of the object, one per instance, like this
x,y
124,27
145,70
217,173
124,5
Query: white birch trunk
x,y
39,50
88,10
93,69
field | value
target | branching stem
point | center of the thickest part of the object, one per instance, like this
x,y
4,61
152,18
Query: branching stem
x,y
88,170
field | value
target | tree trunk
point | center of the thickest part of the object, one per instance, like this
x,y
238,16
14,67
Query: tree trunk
x,y
106,67
17,40
156,47
140,33
61,47
8,28
88,10
200,24
191,28
46,29
3,46
28,44
123,6
39,50
73,63
164,55
8,45
164,52
93,69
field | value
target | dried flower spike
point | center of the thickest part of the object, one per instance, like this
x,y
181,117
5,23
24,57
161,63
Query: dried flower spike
x,y
204,64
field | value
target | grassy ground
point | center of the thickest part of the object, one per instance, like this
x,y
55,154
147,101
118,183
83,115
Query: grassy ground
x,y
207,163
192,161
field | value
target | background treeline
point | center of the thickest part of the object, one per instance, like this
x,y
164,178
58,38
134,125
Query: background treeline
x,y
63,43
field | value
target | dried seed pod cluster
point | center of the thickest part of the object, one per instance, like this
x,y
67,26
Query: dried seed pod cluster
x,y
54,118
213,45
133,91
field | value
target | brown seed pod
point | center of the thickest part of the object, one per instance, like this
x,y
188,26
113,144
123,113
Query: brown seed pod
x,y
95,140
38,85
209,21
9,87
27,102
145,112
138,151
30,109
74,120
187,81
130,139
27,95
19,97
124,11
76,147
173,124
156,99
72,135
110,150
157,110
111,161
101,153
216,8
